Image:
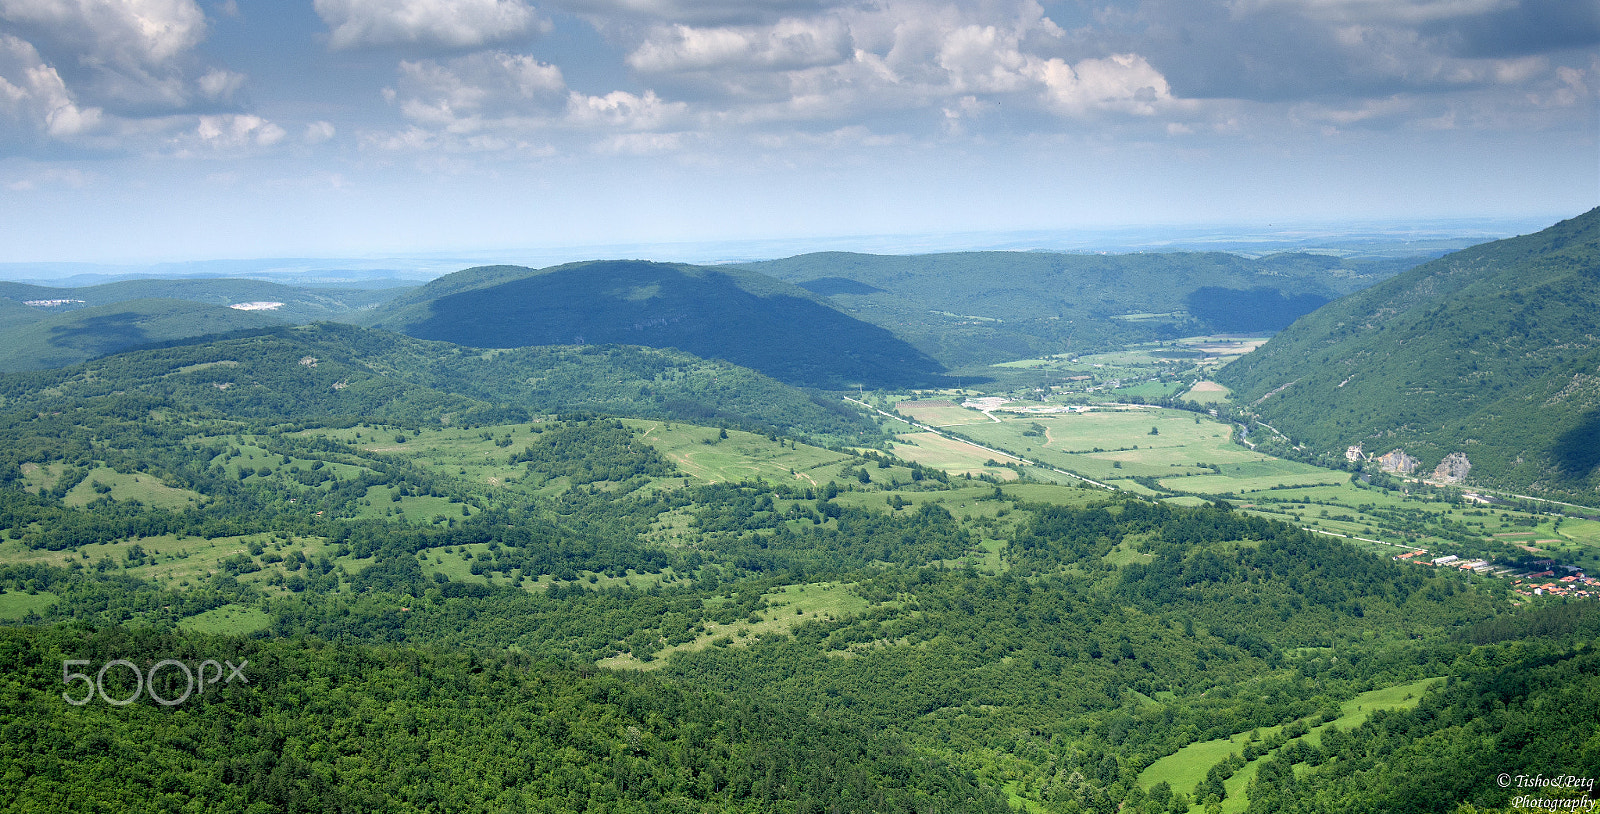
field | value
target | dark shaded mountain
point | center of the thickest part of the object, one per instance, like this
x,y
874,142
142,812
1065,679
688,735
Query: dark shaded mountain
x,y
739,316
1490,352
85,333
331,372
1256,310
829,286
985,307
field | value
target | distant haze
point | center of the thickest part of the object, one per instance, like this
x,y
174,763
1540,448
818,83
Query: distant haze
x,y
1399,238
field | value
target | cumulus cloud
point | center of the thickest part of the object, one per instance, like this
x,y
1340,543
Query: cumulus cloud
x,y
1290,50
484,90
451,24
788,45
142,33
118,53
1121,82
32,93
134,61
234,132
904,55
318,132
623,110
219,85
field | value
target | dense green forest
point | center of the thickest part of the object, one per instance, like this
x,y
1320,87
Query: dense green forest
x,y
1488,352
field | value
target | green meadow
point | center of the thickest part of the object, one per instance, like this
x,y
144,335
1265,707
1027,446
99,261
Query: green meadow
x,y
1184,769
785,607
16,605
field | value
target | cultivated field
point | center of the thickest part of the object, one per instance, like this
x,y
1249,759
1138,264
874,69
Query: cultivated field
x,y
1208,392
950,455
939,412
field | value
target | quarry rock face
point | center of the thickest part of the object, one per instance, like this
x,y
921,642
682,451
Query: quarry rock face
x,y
1398,462
1453,469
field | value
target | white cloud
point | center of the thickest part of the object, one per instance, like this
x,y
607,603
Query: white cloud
x,y
32,92
142,33
132,57
220,85
235,132
318,132
790,44
441,23
485,91
623,110
1123,82
895,55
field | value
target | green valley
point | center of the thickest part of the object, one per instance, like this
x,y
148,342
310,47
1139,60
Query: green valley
x,y
624,578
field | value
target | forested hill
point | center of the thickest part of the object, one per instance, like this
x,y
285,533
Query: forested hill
x,y
318,728
1490,352
987,307
740,316
329,372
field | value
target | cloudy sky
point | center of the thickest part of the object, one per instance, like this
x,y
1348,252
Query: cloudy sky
x,y
134,130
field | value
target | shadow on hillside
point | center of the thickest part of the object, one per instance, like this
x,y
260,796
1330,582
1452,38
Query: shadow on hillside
x,y
706,313
1577,451
101,335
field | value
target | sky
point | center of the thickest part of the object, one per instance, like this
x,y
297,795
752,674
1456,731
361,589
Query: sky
x,y
170,130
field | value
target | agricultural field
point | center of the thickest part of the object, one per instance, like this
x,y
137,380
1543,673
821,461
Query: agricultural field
x,y
1208,392
948,454
939,412
1116,443
1191,459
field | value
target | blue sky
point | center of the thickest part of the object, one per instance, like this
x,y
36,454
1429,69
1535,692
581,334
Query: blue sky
x,y
144,130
